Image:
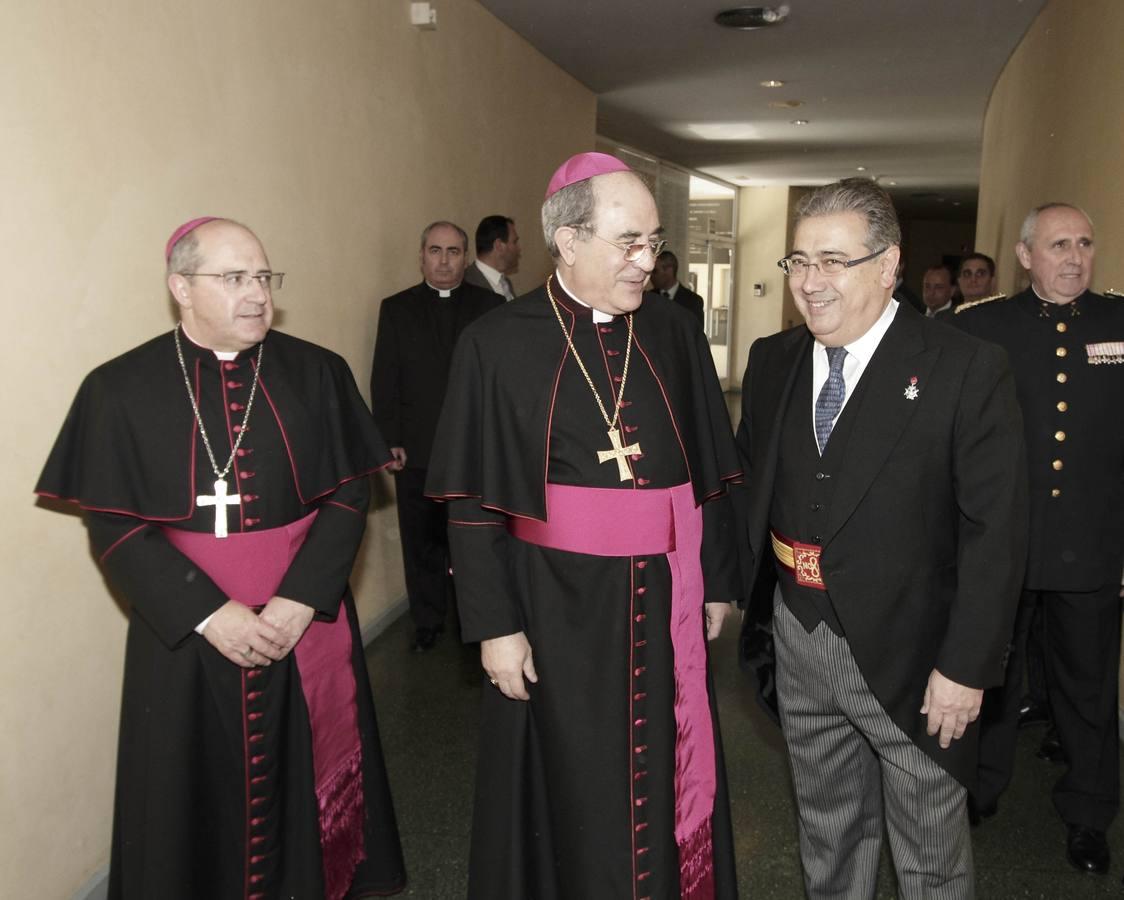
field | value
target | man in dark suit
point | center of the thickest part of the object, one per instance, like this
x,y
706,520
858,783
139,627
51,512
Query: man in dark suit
x,y
497,256
414,346
936,291
898,544
1066,346
665,281
976,277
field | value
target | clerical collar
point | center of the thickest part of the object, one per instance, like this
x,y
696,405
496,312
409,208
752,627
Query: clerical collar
x,y
222,355
598,316
442,292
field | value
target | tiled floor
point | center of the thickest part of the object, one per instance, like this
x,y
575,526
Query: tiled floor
x,y
427,709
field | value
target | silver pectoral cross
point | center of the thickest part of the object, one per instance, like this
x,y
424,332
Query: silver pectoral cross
x,y
219,500
618,453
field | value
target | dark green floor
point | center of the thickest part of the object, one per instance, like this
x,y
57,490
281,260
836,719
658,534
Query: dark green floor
x,y
427,708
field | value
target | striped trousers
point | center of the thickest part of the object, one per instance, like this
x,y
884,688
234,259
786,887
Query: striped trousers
x,y
850,762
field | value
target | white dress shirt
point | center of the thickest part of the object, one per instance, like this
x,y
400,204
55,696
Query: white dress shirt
x,y
859,353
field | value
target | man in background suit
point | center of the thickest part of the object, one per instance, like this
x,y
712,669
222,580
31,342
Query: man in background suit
x,y
497,256
976,278
936,291
899,548
417,330
665,281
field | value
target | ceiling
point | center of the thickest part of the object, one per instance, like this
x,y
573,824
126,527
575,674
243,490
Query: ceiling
x,y
896,86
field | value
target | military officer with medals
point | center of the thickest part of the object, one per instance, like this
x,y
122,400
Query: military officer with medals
x,y
1066,345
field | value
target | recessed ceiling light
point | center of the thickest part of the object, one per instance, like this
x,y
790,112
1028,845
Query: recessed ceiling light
x,y
799,121
860,168
748,18
772,83
892,183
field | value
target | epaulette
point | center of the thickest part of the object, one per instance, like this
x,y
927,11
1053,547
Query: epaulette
x,y
971,303
1113,292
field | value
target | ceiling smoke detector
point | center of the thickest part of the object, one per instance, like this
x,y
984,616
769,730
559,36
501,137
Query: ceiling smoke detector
x,y
747,18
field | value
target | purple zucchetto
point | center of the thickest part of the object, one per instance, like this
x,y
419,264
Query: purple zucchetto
x,y
185,228
582,166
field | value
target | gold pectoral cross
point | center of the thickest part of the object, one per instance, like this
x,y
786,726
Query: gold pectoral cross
x,y
618,453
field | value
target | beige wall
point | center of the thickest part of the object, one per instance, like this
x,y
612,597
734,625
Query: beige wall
x,y
333,128
1053,132
762,218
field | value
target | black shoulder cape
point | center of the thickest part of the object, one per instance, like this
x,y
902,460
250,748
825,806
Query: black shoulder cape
x,y
492,438
128,442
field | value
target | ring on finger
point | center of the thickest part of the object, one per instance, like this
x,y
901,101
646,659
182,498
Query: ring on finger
x,y
494,682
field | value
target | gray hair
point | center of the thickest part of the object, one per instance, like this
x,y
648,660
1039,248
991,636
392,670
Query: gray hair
x,y
438,224
859,195
571,207
185,255
1030,223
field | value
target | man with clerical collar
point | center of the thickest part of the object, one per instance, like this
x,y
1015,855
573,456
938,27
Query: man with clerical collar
x,y
586,456
417,330
886,483
976,277
665,281
497,256
936,290
221,468
1066,345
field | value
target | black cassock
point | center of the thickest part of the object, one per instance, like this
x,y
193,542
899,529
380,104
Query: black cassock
x,y
215,791
575,789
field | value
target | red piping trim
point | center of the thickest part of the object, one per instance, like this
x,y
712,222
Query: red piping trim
x,y
230,440
631,717
554,400
612,394
476,524
342,506
120,541
246,768
671,412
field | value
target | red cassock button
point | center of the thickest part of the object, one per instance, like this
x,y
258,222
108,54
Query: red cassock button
x,y
230,366
606,329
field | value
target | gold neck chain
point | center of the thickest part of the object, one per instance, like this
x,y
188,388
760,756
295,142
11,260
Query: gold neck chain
x,y
199,418
610,423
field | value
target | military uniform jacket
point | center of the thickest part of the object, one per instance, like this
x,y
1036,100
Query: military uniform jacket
x,y
1068,362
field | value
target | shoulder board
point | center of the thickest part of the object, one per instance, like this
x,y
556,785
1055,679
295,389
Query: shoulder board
x,y
982,300
1113,292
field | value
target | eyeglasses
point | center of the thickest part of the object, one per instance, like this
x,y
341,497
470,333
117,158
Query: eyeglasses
x,y
236,282
633,252
828,266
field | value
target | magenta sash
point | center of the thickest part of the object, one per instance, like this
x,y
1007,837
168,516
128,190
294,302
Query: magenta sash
x,y
609,522
249,567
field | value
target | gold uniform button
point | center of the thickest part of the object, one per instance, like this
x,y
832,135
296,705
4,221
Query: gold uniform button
x,y
1057,464
1062,378
1062,327
1055,492
1061,351
1059,435
1062,406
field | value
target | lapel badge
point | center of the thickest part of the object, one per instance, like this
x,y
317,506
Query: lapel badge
x,y
911,390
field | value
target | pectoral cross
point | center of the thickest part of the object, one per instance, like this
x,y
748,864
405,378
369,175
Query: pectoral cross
x,y
219,500
618,453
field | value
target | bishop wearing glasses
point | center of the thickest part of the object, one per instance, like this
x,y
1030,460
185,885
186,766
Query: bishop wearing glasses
x,y
586,456
221,470
885,471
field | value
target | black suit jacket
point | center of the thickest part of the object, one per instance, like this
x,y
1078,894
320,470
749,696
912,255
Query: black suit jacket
x,y
690,301
411,364
473,275
923,553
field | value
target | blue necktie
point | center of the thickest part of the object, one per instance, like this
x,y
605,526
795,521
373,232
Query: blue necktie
x,y
831,397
